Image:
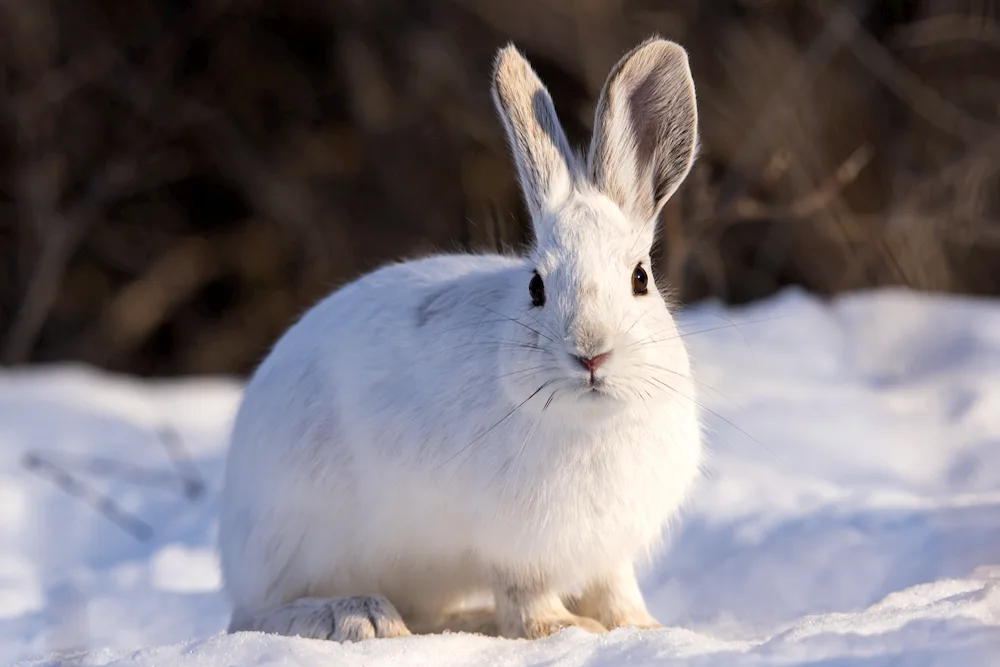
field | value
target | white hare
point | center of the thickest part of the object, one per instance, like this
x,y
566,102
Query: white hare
x,y
466,426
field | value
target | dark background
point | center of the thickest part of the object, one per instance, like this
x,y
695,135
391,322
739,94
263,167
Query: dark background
x,y
179,180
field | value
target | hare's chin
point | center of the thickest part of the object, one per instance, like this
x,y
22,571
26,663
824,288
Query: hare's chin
x,y
596,394
599,390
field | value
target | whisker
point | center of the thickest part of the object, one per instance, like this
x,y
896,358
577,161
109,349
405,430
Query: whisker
x,y
496,343
515,343
698,382
502,420
675,392
742,335
637,320
530,371
517,321
517,458
700,331
541,324
549,401
467,325
668,326
624,315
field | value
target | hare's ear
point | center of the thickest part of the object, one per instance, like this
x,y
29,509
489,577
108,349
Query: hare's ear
x,y
546,167
645,129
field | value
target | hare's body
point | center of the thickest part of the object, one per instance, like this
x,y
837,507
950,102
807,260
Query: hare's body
x,y
478,424
314,519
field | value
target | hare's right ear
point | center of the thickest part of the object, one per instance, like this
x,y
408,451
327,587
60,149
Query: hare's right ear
x,y
546,167
645,129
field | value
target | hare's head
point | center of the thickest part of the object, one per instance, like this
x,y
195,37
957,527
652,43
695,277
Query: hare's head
x,y
599,326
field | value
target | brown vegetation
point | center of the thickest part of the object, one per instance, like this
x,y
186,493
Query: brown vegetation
x,y
180,179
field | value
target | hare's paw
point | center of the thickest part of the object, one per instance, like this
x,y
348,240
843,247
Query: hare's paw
x,y
615,600
536,628
633,619
337,619
530,609
359,618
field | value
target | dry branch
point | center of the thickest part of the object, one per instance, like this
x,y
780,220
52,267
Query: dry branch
x,y
178,184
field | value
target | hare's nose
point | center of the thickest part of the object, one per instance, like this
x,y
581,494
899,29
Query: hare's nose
x,y
593,363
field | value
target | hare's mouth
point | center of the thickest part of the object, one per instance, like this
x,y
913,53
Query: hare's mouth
x,y
595,387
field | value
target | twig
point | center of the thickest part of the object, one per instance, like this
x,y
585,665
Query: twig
x,y
99,466
279,198
194,485
949,28
806,206
143,304
923,99
105,505
776,110
61,232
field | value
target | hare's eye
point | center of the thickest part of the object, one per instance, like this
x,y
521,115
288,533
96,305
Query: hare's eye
x,y
639,280
537,290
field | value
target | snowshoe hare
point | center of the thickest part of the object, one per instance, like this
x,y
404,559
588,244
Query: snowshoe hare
x,y
463,426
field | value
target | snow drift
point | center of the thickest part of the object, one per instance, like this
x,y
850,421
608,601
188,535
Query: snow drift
x,y
852,514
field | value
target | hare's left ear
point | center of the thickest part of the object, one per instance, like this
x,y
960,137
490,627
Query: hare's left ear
x,y
546,167
645,130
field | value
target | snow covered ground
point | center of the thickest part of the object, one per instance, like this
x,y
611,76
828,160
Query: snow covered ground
x,y
852,516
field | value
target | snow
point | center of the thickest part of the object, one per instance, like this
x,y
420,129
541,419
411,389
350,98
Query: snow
x,y
851,517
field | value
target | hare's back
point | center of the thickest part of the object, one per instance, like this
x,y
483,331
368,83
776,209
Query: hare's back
x,y
410,300
387,342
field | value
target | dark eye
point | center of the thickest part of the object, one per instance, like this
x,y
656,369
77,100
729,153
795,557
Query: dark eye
x,y
639,280
537,290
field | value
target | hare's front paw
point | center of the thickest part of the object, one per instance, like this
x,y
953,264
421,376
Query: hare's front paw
x,y
366,617
529,609
615,600
338,619
536,628
637,619
614,615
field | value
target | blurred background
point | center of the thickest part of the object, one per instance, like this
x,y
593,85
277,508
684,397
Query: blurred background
x,y
180,179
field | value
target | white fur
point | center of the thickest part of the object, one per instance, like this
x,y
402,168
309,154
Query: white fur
x,y
388,446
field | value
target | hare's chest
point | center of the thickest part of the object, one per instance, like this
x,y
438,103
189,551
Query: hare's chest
x,y
635,487
629,467
598,501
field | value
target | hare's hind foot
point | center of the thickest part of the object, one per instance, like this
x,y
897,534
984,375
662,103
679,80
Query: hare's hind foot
x,y
347,619
529,609
543,626
614,600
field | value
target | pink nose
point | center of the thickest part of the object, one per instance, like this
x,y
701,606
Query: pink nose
x,y
593,363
